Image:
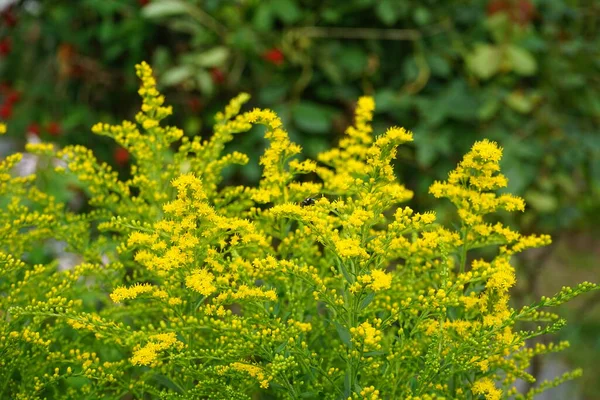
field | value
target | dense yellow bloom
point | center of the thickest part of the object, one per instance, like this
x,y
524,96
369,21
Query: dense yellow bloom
x,y
348,248
486,387
149,353
201,281
377,280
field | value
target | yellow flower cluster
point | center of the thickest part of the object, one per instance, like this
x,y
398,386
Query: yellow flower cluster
x,y
377,281
487,388
201,281
254,371
130,293
317,281
149,353
368,335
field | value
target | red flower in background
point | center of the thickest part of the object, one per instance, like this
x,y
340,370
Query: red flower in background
x,y
53,128
274,56
217,75
521,11
5,46
143,2
34,128
9,18
6,110
121,156
194,104
13,97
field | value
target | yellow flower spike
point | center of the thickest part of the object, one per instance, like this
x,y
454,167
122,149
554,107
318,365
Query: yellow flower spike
x,y
254,371
232,109
130,293
360,133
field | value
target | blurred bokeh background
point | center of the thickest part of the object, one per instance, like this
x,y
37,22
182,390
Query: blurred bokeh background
x,y
525,73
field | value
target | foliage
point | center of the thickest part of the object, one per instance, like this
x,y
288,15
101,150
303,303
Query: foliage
x,y
455,72
65,67
188,288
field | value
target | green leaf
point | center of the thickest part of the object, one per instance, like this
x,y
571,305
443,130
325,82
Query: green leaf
x,y
311,117
542,202
385,99
353,60
176,75
520,102
366,301
439,65
308,395
214,57
387,11
280,348
374,353
205,82
484,61
164,8
315,145
193,126
345,272
166,381
187,26
489,108
263,18
422,16
499,26
287,10
344,334
521,60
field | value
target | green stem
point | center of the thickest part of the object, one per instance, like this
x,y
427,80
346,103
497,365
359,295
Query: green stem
x,y
463,250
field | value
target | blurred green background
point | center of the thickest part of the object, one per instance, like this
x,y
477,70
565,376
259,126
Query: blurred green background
x,y
525,73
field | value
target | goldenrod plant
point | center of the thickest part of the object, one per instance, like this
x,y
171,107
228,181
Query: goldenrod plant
x,y
318,282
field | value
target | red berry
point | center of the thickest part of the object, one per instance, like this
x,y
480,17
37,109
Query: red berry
x,y
53,128
34,129
274,56
6,110
143,2
121,156
217,75
5,46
